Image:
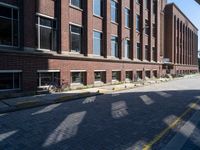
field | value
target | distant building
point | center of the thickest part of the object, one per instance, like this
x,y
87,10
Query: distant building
x,y
92,42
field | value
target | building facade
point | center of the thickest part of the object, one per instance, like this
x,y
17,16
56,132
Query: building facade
x,y
81,42
181,42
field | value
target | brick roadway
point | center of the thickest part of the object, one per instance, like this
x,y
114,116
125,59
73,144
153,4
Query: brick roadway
x,y
122,120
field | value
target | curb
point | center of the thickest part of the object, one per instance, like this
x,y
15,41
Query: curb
x,y
37,103
32,104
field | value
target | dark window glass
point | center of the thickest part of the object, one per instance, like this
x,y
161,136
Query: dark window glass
x,y
155,75
97,7
114,11
76,37
114,46
147,74
127,17
46,33
129,75
154,6
5,31
9,81
97,43
9,26
154,54
147,53
154,30
78,77
146,27
6,12
76,3
138,23
48,78
139,51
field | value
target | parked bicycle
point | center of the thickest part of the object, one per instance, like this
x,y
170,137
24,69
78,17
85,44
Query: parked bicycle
x,y
58,87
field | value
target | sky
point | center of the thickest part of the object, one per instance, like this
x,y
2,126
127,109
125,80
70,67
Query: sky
x,y
192,10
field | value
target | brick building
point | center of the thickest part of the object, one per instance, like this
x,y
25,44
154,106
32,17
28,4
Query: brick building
x,y
84,42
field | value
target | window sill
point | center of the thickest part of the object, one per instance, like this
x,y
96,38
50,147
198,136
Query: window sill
x,y
128,28
75,7
115,23
97,16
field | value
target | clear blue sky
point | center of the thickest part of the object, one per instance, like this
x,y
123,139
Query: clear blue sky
x,y
191,9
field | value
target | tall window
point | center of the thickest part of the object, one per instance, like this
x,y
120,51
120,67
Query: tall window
x,y
97,43
139,51
10,80
9,26
127,17
97,7
146,27
114,11
114,46
147,4
154,7
127,49
154,30
147,53
75,38
154,54
46,33
138,23
76,3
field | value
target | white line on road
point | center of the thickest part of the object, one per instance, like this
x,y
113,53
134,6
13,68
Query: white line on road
x,y
147,100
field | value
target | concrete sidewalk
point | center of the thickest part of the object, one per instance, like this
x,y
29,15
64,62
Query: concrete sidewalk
x,y
14,104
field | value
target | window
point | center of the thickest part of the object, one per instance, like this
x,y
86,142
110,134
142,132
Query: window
x,y
10,80
100,76
114,46
116,75
75,38
114,11
147,74
9,26
127,17
46,78
78,77
139,51
76,3
154,7
97,7
147,53
147,4
129,75
138,75
154,53
155,75
97,43
46,33
146,27
154,30
127,49
138,23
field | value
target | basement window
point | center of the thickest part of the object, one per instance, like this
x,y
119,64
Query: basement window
x,y
10,80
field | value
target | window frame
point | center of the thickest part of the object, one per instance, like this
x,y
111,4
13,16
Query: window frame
x,y
101,42
101,9
116,8
12,7
127,17
81,37
38,25
116,53
83,74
